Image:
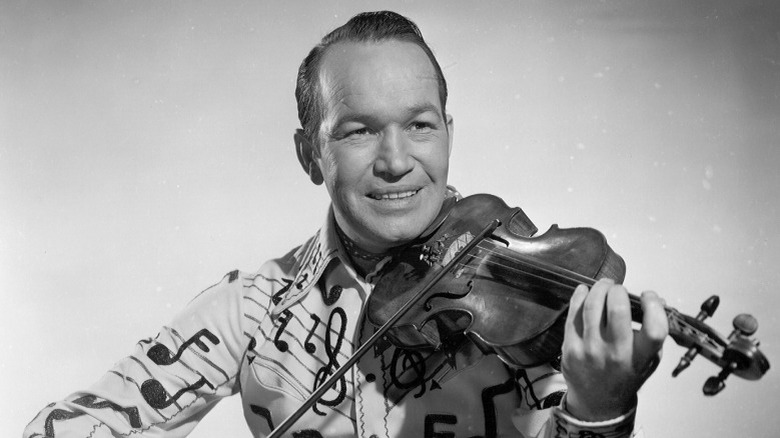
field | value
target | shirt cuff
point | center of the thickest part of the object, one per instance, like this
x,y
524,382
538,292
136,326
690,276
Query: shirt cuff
x,y
566,425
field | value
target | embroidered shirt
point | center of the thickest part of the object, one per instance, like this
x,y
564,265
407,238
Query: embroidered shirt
x,y
276,335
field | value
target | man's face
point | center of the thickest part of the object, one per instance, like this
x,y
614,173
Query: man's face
x,y
383,143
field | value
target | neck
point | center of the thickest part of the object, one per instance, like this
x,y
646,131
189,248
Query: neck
x,y
364,261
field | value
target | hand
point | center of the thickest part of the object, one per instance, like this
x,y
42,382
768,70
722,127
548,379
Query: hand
x,y
605,361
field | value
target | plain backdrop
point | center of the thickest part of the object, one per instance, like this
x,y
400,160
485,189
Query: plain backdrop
x,y
146,150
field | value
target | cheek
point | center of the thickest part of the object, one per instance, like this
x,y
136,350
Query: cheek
x,y
327,163
341,174
437,163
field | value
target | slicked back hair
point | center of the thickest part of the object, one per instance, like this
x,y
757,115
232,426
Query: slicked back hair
x,y
364,27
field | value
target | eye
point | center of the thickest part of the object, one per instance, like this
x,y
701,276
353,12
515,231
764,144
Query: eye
x,y
420,126
357,132
354,132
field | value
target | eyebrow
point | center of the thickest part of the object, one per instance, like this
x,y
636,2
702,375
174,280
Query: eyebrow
x,y
423,108
409,112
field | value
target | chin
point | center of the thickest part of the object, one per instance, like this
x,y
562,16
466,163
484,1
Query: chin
x,y
395,234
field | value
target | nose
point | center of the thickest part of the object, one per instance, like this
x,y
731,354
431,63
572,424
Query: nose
x,y
393,158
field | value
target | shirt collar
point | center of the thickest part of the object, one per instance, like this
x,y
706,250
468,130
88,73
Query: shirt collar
x,y
311,260
314,256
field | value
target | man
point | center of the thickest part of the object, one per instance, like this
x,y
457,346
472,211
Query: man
x,y
375,132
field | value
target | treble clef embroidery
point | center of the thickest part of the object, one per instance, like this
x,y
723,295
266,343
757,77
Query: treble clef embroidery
x,y
411,362
332,351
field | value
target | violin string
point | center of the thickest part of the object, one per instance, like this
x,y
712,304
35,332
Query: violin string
x,y
484,253
543,267
560,272
530,274
634,301
540,265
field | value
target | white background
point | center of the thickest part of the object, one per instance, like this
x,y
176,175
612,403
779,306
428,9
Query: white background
x,y
146,150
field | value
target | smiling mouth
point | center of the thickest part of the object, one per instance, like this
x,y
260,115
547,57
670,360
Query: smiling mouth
x,y
393,196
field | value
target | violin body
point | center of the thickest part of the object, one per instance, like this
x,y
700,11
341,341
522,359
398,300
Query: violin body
x,y
493,296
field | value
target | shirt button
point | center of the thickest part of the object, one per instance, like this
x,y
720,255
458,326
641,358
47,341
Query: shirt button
x,y
370,377
373,436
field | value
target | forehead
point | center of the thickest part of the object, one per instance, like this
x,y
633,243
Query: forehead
x,y
377,74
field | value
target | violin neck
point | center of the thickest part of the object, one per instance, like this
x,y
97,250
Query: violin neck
x,y
636,308
686,330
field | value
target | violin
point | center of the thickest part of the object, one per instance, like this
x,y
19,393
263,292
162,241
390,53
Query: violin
x,y
480,274
477,275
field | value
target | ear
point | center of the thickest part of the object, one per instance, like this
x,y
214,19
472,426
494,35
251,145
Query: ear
x,y
450,131
306,156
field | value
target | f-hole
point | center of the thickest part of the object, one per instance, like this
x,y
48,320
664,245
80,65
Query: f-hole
x,y
447,295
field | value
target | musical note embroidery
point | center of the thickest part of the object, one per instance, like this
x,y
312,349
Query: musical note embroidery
x,y
286,315
89,401
329,297
307,433
283,321
553,399
332,351
156,396
307,344
489,411
251,347
263,412
277,297
161,355
411,361
489,405
409,369
304,277
525,385
430,425
55,415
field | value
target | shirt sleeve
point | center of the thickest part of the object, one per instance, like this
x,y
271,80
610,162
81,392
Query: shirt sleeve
x,y
169,382
543,411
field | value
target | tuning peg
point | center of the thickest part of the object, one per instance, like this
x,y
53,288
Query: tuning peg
x,y
715,384
685,361
708,308
744,325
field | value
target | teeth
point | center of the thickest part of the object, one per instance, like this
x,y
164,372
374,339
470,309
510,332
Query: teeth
x,y
397,195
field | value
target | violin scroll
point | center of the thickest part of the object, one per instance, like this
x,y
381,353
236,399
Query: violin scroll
x,y
738,354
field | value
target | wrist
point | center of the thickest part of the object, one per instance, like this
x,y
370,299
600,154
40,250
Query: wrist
x,y
597,410
568,425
